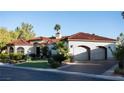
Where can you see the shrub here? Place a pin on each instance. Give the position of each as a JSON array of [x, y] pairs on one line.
[[28, 58], [45, 50], [12, 58], [59, 58], [17, 56], [119, 71], [50, 60], [32, 55], [62, 51], [70, 58], [5, 60], [119, 51], [4, 56], [119, 55], [61, 55], [13, 61], [24, 57], [53, 63]]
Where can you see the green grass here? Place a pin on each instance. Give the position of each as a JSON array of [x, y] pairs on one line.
[[35, 64]]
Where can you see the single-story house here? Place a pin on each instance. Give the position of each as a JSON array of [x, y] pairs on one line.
[[82, 46]]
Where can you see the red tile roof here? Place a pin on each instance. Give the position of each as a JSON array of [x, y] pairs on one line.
[[89, 37], [39, 39], [53, 41], [75, 37], [47, 39], [19, 42]]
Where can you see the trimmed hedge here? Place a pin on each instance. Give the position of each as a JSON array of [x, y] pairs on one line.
[[12, 58], [4, 56], [17, 56]]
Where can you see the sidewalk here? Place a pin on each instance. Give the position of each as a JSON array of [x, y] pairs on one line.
[[5, 64]]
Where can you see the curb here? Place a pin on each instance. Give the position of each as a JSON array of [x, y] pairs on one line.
[[67, 65]]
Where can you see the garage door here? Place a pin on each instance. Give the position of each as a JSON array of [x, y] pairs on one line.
[[81, 54], [100, 54]]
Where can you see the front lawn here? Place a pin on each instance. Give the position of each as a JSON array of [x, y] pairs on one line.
[[35, 64]]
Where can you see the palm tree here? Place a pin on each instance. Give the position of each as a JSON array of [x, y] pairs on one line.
[[57, 27]]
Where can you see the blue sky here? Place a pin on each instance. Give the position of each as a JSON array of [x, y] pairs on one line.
[[108, 24]]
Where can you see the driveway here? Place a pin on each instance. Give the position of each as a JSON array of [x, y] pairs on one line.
[[92, 67]]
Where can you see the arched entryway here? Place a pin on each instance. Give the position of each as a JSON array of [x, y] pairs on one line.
[[20, 50], [101, 53], [11, 50], [82, 53], [37, 49]]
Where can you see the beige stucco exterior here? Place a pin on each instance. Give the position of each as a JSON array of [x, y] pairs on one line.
[[96, 53]]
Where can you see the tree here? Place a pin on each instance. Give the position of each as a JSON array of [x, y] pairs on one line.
[[120, 39], [119, 55], [55, 60], [25, 31], [62, 51], [21, 35], [57, 27], [44, 50], [122, 14], [5, 37], [119, 51]]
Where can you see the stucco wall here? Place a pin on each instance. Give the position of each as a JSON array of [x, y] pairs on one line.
[[94, 53]]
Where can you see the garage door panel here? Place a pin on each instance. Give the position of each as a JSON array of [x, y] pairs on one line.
[[99, 54], [81, 54]]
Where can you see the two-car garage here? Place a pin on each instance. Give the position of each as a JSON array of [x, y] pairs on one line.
[[83, 53], [85, 46]]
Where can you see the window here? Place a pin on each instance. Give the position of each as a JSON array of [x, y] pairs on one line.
[[20, 50]]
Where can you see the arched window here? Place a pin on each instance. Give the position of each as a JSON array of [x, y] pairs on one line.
[[20, 50]]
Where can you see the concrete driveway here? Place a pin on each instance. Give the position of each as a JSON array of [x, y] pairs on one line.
[[90, 67]]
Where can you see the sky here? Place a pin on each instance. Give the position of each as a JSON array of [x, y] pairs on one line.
[[104, 23]]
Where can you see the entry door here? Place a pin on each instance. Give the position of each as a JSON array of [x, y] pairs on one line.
[[37, 51]]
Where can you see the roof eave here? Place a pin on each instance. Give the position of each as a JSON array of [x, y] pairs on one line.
[[85, 40]]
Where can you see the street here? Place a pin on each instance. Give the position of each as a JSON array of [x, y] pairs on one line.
[[18, 74]]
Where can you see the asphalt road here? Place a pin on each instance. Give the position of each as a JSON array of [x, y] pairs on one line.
[[19, 74]]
